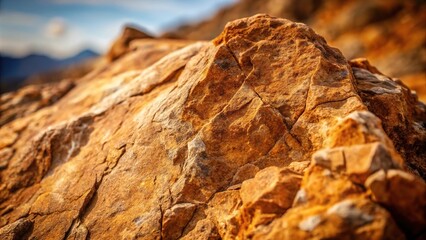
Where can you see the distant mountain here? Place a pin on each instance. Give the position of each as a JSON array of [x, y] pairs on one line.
[[13, 71]]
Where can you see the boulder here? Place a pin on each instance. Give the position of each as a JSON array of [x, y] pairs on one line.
[[209, 140]]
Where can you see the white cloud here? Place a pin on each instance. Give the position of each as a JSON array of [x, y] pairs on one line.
[[62, 38], [149, 5], [56, 28], [16, 43], [15, 47], [130, 4], [19, 18]]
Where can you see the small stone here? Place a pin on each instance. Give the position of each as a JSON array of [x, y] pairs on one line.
[[364, 160], [310, 223], [348, 211], [300, 198], [299, 167], [332, 159], [272, 190], [176, 218], [245, 172]]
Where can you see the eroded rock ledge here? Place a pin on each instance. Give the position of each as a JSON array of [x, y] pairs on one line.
[[264, 133]]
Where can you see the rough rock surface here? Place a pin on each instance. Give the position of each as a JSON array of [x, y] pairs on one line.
[[266, 132], [390, 33]]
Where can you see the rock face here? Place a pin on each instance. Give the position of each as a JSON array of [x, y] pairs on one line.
[[389, 33], [264, 133]]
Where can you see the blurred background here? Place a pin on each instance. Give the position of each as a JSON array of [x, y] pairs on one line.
[[41, 35], [48, 40]]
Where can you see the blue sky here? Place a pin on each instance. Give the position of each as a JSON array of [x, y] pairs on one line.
[[61, 28]]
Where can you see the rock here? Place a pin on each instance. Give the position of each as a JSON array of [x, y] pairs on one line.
[[122, 43], [399, 110], [265, 197], [18, 230], [362, 161], [245, 172], [271, 191], [72, 181], [348, 211], [330, 205], [175, 220], [224, 209], [359, 28], [348, 219], [299, 167], [310, 223], [333, 159], [358, 161], [210, 140], [78, 231], [404, 194], [204, 230], [30, 99]]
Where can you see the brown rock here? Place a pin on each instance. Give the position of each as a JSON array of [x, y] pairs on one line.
[[271, 191], [299, 167], [403, 116], [404, 194], [265, 197], [390, 33], [358, 161], [330, 205], [192, 140], [30, 99], [245, 172], [122, 43], [17, 230], [175, 220], [223, 210], [362, 161], [347, 219]]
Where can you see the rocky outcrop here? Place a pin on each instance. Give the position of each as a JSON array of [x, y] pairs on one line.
[[389, 33], [122, 43], [266, 132]]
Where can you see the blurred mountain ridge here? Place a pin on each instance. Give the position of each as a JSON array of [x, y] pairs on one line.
[[14, 70]]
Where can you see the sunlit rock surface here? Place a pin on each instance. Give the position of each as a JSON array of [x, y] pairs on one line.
[[390, 33], [266, 132]]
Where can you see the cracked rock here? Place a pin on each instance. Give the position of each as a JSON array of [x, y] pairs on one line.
[[265, 132]]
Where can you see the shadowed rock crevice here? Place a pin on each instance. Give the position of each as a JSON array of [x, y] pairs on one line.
[[77, 224]]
